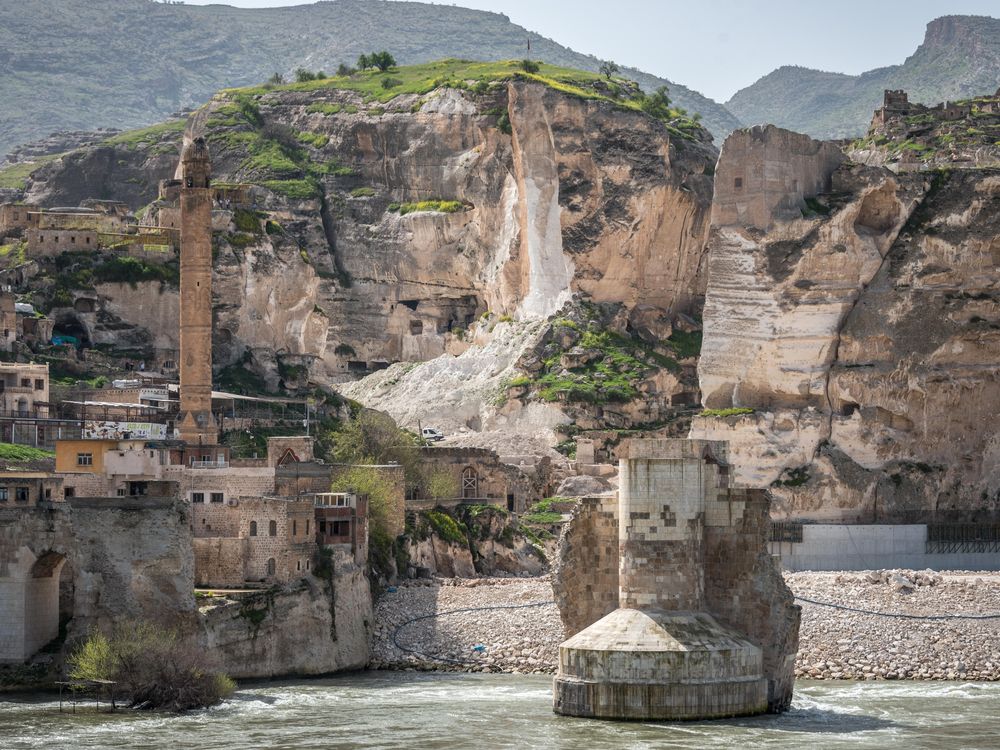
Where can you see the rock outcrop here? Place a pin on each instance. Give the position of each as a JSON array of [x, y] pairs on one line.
[[852, 317]]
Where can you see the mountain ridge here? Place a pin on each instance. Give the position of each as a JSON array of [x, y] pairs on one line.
[[84, 64], [958, 58]]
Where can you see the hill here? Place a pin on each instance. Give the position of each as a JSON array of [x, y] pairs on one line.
[[959, 58], [83, 64]]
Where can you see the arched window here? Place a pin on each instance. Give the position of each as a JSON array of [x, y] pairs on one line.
[[470, 484], [272, 528], [295, 528], [270, 566], [253, 528]]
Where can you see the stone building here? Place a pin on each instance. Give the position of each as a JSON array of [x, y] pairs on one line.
[[477, 476], [705, 626], [24, 389], [765, 173], [252, 539]]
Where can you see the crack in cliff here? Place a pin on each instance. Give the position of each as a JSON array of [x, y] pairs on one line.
[[838, 335], [330, 234]]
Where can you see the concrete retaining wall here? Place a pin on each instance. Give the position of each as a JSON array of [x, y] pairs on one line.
[[873, 547]]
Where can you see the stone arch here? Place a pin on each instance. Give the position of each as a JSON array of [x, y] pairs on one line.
[[29, 585]]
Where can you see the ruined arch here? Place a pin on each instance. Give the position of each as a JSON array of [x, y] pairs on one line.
[[29, 585]]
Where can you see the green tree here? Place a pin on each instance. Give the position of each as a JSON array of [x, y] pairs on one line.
[[657, 104], [302, 75], [609, 69], [364, 62], [344, 70], [382, 60], [277, 79], [530, 66], [442, 485]]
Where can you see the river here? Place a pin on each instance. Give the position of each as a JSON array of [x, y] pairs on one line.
[[428, 711]]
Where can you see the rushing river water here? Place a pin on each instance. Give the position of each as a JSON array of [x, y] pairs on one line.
[[428, 711]]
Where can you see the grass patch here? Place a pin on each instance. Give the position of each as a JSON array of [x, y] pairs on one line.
[[433, 204], [363, 192], [732, 411], [131, 270], [154, 133], [18, 453], [446, 527], [16, 175]]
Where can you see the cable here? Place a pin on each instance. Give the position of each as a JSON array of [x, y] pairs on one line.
[[899, 615], [407, 649]]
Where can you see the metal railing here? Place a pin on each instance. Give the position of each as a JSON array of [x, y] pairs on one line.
[[195, 464], [786, 531], [945, 538]]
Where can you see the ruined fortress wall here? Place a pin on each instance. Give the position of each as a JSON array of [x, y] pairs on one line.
[[745, 590], [585, 579], [766, 172]]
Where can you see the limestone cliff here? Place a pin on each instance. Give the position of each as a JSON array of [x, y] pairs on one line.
[[851, 332]]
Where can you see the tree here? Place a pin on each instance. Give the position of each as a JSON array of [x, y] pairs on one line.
[[442, 485], [152, 666], [609, 69], [657, 104], [302, 75], [320, 75], [382, 60], [345, 70], [277, 79], [530, 66], [364, 62]]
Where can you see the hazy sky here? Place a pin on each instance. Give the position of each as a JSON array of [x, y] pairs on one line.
[[720, 46]]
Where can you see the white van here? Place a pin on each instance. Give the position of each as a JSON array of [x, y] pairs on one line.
[[431, 434]]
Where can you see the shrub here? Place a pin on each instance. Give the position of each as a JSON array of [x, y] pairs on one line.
[[442, 485], [153, 666], [446, 527], [302, 75], [530, 66], [344, 70], [363, 192], [732, 411], [391, 83]]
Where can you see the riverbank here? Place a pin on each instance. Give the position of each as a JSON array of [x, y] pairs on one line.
[[498, 633]]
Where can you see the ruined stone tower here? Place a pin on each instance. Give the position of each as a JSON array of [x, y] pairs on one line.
[[196, 424], [705, 627]]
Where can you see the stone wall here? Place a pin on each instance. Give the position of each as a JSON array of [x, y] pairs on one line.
[[585, 580], [317, 627]]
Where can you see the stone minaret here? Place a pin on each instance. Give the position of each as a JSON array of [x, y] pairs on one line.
[[196, 424]]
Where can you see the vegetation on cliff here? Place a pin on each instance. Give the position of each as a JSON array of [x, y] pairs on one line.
[[152, 667]]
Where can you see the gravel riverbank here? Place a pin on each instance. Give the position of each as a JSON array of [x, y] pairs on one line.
[[496, 631]]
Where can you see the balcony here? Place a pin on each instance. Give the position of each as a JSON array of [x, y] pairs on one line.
[[219, 464]]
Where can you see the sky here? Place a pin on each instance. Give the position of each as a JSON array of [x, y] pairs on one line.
[[720, 46]]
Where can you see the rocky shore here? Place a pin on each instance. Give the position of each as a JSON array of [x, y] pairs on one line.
[[512, 625]]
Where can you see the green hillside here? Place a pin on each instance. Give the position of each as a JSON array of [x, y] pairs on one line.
[[82, 64]]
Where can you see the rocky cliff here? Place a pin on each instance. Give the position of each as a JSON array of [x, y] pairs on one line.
[[851, 332], [412, 220]]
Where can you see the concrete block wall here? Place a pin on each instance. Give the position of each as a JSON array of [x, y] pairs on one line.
[[873, 547]]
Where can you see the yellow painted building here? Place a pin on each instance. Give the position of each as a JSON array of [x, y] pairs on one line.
[[82, 456]]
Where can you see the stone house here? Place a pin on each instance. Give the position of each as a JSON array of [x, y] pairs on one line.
[[24, 389], [246, 539], [477, 476]]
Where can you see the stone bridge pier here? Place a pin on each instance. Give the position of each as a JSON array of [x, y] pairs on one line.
[[90, 561]]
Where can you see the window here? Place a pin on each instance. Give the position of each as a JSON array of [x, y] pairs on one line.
[[21, 494], [307, 564], [307, 528], [253, 528], [295, 528], [197, 497], [121, 492], [470, 484], [270, 566], [217, 497], [340, 528], [39, 384], [26, 382], [3, 494], [738, 182], [72, 239], [272, 528], [84, 459], [298, 565], [69, 492], [322, 526], [48, 493], [88, 240]]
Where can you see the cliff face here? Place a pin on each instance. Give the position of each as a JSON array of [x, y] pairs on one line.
[[855, 322], [383, 234]]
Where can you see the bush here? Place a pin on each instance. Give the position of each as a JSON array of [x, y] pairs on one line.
[[530, 66], [153, 667], [391, 83]]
